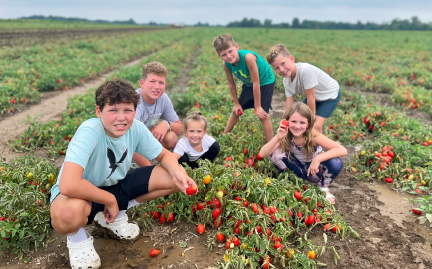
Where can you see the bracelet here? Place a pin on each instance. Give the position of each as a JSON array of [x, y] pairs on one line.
[[169, 125]]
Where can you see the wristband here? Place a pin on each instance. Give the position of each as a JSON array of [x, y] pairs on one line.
[[169, 125]]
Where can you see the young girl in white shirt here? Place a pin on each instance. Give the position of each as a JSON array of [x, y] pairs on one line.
[[196, 144]]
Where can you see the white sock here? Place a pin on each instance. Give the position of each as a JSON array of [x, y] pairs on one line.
[[132, 203], [77, 237], [121, 214]]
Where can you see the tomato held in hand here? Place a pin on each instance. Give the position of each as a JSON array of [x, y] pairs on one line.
[[191, 190], [285, 123], [239, 112]]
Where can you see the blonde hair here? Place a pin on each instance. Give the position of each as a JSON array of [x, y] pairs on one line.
[[154, 68], [223, 42], [304, 111], [196, 116], [275, 51]]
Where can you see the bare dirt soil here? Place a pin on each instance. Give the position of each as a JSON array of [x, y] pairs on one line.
[[390, 235], [18, 37]]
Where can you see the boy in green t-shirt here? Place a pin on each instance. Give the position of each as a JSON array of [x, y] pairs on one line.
[[258, 82]]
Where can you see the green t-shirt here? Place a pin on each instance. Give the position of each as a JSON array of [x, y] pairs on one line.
[[241, 71]]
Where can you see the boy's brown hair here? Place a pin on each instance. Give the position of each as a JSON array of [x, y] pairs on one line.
[[223, 42], [116, 92], [154, 68], [277, 50]]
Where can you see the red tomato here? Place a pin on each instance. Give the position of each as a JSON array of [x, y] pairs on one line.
[[389, 180], [191, 190], [155, 215], [162, 219], [220, 237], [154, 252], [170, 217], [278, 246], [239, 112], [200, 228], [215, 213], [285, 123], [259, 158], [297, 195], [417, 211]]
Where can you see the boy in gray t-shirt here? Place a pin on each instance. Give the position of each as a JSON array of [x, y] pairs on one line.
[[156, 110]]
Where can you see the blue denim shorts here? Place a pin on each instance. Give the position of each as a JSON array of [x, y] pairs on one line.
[[325, 108]]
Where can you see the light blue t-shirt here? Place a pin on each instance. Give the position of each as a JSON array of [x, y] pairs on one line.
[[105, 159]]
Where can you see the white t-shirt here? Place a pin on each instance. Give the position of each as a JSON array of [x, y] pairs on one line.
[[308, 77], [162, 109], [183, 147]]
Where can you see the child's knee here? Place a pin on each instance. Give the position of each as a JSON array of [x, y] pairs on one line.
[[170, 140], [335, 165]]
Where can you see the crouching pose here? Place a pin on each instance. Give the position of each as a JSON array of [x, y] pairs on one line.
[[95, 183]]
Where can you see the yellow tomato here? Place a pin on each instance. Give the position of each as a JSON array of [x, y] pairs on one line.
[[290, 253], [207, 179], [51, 178], [267, 181], [311, 254], [30, 175]]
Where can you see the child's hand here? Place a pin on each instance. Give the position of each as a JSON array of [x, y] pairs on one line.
[[261, 114], [160, 131], [183, 181], [313, 168], [282, 131], [111, 212], [237, 110]]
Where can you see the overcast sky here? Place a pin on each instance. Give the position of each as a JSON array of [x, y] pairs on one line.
[[222, 11]]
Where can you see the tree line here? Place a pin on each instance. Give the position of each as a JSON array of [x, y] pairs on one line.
[[396, 24]]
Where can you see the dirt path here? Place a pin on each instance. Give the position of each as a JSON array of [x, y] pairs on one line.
[[390, 236]]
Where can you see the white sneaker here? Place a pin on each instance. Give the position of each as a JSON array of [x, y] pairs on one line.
[[120, 229], [83, 255]]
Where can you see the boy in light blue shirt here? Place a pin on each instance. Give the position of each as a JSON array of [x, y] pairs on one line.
[[95, 182]]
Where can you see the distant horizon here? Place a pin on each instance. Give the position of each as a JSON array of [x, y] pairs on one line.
[[222, 12], [168, 23]]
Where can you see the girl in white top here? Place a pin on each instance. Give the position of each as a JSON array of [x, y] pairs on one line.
[[297, 146], [196, 143]]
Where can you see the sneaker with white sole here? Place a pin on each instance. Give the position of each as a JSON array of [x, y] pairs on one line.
[[83, 255], [120, 229]]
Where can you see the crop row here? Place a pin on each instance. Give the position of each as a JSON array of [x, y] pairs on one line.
[[25, 72]]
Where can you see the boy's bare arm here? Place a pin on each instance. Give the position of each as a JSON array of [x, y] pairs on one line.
[[179, 174], [310, 95], [253, 71], [289, 101], [177, 127], [73, 185], [231, 84]]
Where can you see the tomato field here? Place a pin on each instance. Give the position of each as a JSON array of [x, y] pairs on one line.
[[244, 215]]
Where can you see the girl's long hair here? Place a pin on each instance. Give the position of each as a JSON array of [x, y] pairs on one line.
[[304, 111]]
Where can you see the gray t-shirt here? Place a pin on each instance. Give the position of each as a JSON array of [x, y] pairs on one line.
[[308, 77], [162, 109]]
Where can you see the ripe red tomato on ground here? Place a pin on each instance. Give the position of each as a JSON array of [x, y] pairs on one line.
[[389, 180], [417, 211], [155, 215], [170, 217], [200, 228], [162, 219], [192, 190], [154, 252]]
